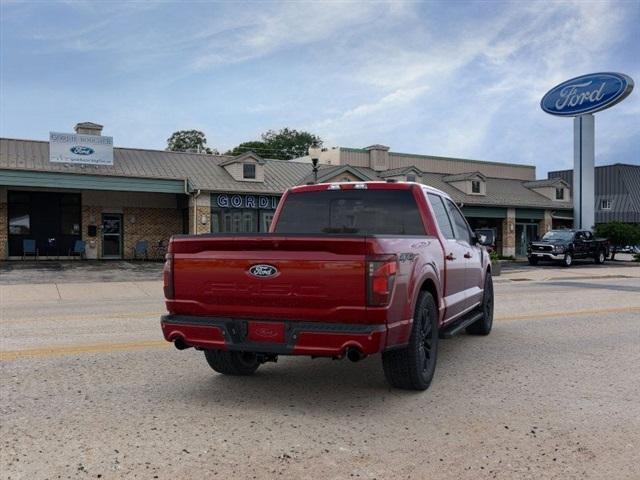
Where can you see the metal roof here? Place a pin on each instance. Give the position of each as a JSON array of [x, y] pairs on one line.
[[547, 182], [499, 191], [206, 172], [463, 176], [203, 171], [620, 185]]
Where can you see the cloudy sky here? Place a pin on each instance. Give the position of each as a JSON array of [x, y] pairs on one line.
[[461, 79]]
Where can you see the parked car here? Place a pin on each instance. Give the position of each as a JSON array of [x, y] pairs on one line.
[[347, 270], [565, 246]]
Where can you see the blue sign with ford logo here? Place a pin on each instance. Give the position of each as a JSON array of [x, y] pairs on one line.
[[80, 150], [587, 94]]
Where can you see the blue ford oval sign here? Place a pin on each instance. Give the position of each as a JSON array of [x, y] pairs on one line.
[[263, 270], [79, 150], [587, 94]]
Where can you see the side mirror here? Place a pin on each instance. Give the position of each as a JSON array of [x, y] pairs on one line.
[[480, 239]]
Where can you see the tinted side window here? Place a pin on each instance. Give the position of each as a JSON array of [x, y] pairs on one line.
[[459, 223], [364, 212], [442, 219]]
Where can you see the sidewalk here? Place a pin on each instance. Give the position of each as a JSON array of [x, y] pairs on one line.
[[78, 271]]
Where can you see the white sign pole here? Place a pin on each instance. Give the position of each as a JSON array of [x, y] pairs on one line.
[[583, 171]]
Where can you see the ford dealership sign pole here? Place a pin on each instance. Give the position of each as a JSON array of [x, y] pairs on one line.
[[580, 97]]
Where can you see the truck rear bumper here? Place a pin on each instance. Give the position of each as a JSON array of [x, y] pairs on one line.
[[276, 337]]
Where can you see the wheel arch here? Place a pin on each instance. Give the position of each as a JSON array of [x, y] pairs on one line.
[[429, 285]]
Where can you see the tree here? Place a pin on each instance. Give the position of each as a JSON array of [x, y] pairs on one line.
[[257, 147], [188, 141], [619, 234], [284, 144]]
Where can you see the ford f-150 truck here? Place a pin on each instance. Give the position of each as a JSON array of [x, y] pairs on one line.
[[346, 270], [566, 245]]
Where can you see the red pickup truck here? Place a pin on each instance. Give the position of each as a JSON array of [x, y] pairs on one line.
[[347, 270]]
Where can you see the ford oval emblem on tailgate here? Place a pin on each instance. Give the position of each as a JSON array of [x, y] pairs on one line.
[[263, 270]]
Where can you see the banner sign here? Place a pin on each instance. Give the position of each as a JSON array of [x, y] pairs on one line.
[[80, 149], [587, 94], [238, 200]]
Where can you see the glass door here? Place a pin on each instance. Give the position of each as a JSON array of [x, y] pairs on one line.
[[112, 235], [525, 233], [267, 218]]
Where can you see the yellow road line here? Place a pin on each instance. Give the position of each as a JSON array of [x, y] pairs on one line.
[[45, 352], [569, 314], [106, 316], [72, 350]]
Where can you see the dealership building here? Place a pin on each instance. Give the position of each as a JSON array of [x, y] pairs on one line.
[[114, 198]]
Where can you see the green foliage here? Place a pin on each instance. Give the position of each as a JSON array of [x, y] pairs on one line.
[[494, 256], [189, 141], [284, 144], [259, 148], [619, 234]]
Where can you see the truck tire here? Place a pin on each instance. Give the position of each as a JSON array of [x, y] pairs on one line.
[[232, 363], [483, 326], [532, 260], [600, 257], [568, 260], [412, 367]]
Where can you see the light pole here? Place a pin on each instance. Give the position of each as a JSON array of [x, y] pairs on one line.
[[314, 153]]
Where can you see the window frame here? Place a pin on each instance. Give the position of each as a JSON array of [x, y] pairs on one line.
[[607, 202], [479, 184], [452, 206], [559, 193], [244, 171], [430, 196]]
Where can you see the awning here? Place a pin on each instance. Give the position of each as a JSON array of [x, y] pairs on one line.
[[30, 178]]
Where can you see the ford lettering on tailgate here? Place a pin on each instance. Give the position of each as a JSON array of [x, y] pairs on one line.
[[263, 270]]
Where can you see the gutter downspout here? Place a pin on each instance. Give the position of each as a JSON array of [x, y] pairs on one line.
[[195, 196]]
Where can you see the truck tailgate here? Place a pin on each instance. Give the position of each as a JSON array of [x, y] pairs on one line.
[[315, 279]]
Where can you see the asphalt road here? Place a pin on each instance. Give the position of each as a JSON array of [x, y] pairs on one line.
[[89, 390]]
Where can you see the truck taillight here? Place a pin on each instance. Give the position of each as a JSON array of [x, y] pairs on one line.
[[167, 276], [381, 275]]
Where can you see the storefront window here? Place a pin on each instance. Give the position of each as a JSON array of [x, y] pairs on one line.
[[52, 219], [19, 220], [238, 213], [19, 217]]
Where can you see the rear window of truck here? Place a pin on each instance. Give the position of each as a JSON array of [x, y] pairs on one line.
[[365, 212]]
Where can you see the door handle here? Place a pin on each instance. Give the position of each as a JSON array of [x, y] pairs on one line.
[[450, 257], [467, 255]]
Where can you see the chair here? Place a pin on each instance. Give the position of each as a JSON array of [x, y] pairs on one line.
[[142, 249], [79, 248], [29, 248], [161, 249]]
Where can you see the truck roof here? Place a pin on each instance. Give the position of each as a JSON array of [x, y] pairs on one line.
[[374, 185]]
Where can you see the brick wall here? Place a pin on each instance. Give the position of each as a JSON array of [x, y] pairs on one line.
[[202, 213], [545, 224], [509, 233], [150, 224]]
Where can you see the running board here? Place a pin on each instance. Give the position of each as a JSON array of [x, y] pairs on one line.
[[451, 330]]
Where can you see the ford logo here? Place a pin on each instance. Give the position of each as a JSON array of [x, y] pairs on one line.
[[587, 94], [266, 332], [263, 270], [79, 150]]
